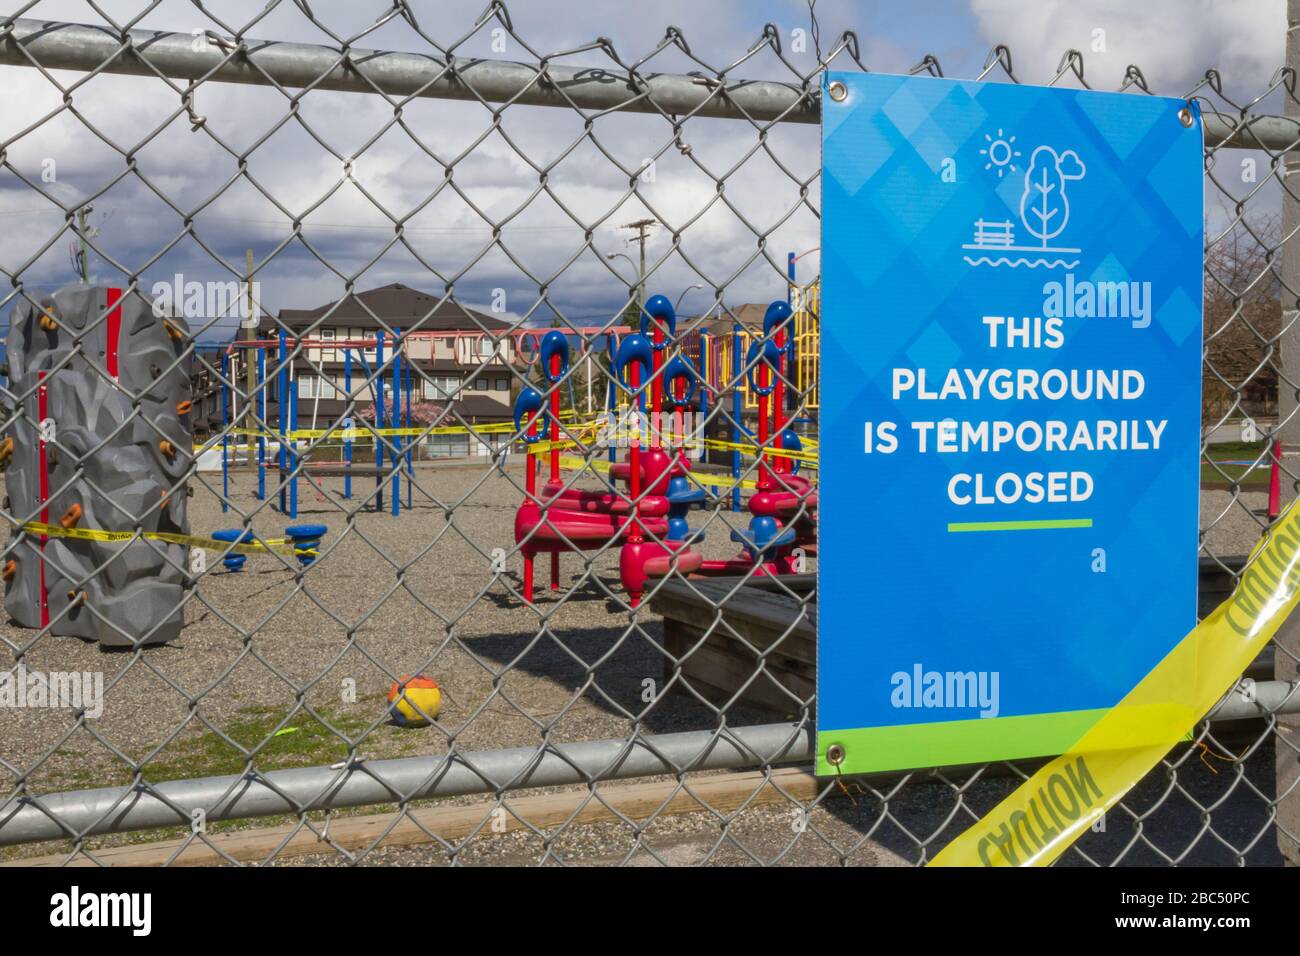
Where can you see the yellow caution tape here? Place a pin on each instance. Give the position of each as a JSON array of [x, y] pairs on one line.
[[278, 545], [573, 430], [364, 431], [748, 449], [720, 482], [1050, 810], [572, 461]]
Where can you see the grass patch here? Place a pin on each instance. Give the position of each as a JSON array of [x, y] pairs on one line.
[[303, 741], [310, 743], [1223, 477]]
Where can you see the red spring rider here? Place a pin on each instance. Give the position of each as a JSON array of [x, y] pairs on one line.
[[655, 475], [561, 519]]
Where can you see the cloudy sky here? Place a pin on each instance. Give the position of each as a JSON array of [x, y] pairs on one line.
[[447, 168]]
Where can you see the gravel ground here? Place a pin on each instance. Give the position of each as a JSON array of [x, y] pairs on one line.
[[417, 594]]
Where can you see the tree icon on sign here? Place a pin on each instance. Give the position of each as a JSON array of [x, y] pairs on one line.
[[1044, 206]]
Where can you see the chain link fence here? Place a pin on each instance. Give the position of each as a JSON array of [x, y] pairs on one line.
[[320, 466]]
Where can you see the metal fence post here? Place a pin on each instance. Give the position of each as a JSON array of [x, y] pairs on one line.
[[1288, 395]]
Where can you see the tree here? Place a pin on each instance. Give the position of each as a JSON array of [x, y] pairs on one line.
[[1243, 321]]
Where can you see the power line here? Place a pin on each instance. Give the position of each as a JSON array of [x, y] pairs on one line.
[[816, 29], [391, 228]]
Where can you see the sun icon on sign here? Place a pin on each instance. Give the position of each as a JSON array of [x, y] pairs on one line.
[[1001, 153]]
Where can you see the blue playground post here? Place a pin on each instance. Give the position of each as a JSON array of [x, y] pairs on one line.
[[261, 423], [282, 393], [410, 441], [611, 402], [789, 271], [379, 422], [225, 433], [397, 422], [737, 412], [293, 450], [347, 436]]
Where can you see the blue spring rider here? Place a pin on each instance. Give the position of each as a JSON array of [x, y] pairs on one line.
[[234, 561], [306, 541]]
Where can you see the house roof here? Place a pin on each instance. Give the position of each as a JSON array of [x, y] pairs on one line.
[[480, 406], [749, 316], [399, 306]]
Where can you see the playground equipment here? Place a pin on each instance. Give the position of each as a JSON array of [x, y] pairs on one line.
[[290, 465], [392, 431], [721, 359], [306, 541], [782, 527], [234, 561], [648, 521], [83, 448], [561, 519], [656, 474]]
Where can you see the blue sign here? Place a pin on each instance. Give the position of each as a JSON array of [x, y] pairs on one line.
[[1010, 412]]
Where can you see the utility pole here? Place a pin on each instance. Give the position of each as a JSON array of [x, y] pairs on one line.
[[641, 226], [1288, 636], [249, 324]]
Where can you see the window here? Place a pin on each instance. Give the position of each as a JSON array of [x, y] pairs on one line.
[[503, 385], [441, 386], [480, 384], [448, 446], [486, 346], [327, 354], [311, 385], [356, 334]]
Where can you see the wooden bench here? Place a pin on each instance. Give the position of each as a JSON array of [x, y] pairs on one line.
[[723, 631], [739, 620]]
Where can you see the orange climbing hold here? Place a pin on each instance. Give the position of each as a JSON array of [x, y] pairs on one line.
[[71, 516]]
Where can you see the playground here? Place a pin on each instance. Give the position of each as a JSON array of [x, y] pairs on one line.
[[517, 590], [505, 674], [537, 437]]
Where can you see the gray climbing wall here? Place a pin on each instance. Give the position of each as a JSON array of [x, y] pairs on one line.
[[108, 456]]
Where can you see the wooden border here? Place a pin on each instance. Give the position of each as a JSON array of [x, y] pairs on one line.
[[723, 793]]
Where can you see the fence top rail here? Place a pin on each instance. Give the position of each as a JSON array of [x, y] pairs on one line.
[[87, 48]]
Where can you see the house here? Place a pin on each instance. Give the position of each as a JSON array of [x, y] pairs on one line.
[[459, 357]]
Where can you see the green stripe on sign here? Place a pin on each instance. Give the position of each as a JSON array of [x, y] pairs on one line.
[[1043, 525], [953, 742]]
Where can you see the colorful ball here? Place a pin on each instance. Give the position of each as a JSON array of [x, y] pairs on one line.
[[412, 692]]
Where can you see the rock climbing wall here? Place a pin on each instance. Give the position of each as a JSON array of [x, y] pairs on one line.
[[103, 441]]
